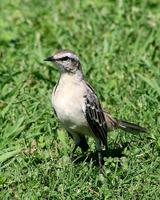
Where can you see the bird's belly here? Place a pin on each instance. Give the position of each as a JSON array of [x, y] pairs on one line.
[[70, 114]]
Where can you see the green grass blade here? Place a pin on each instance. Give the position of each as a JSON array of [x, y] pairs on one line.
[[152, 83]]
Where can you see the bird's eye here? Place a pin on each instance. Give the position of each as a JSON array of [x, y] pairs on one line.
[[64, 58]]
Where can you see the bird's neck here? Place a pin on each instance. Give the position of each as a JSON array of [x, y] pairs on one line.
[[76, 76]]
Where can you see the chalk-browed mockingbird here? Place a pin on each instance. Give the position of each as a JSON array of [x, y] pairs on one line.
[[78, 108]]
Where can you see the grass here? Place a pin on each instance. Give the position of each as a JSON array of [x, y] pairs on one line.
[[119, 45]]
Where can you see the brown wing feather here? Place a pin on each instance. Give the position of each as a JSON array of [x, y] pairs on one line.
[[95, 116]]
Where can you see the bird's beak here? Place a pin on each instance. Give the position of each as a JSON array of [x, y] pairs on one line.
[[50, 58]]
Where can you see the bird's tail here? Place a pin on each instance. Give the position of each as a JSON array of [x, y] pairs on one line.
[[131, 127], [113, 123]]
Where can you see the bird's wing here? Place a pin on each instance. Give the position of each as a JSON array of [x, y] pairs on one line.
[[53, 93], [95, 115]]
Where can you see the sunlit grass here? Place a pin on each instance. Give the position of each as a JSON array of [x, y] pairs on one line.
[[118, 43]]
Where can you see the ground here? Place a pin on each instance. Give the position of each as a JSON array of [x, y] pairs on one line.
[[119, 46]]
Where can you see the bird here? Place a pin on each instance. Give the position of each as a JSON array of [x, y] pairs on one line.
[[79, 109]]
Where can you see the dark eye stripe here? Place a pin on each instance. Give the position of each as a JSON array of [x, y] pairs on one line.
[[63, 58], [66, 58]]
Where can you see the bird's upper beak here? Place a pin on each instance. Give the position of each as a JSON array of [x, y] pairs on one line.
[[50, 58]]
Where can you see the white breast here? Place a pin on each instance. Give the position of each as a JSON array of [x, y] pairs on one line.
[[68, 102]]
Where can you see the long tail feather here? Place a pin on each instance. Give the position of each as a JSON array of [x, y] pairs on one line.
[[113, 123], [131, 127]]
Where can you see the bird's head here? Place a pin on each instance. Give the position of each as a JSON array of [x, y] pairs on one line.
[[66, 61]]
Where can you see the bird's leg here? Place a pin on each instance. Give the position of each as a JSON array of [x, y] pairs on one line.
[[75, 147], [99, 152], [73, 151], [100, 159], [106, 148], [80, 141], [83, 144]]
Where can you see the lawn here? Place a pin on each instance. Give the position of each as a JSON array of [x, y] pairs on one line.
[[119, 46]]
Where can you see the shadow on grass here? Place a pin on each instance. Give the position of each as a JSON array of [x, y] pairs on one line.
[[92, 156]]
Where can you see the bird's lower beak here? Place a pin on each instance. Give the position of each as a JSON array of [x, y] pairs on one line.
[[50, 58]]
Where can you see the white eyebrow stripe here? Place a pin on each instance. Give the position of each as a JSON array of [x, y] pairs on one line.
[[72, 56], [66, 54]]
